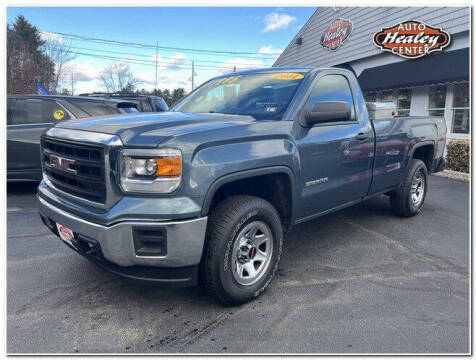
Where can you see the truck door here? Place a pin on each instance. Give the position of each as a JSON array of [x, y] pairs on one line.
[[336, 157], [26, 120]]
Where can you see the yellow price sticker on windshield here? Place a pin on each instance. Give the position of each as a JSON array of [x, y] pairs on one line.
[[58, 114], [226, 80], [287, 76]]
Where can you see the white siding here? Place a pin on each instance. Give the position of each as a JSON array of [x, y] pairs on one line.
[[366, 21]]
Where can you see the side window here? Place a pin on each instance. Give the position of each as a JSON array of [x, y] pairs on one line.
[[333, 88], [145, 106], [35, 111], [160, 105], [95, 108], [52, 112], [25, 111]]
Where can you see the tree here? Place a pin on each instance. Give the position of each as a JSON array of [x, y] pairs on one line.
[[128, 89], [117, 77], [177, 95], [167, 96], [171, 98], [59, 51], [26, 63]]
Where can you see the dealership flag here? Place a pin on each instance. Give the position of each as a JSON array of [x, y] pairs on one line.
[[41, 89]]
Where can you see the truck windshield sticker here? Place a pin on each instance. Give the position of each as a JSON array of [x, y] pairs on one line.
[[287, 76], [225, 81]]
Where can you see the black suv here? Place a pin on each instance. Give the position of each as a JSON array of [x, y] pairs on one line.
[[29, 115], [145, 103]]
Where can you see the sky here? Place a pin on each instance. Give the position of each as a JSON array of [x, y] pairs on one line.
[[260, 32]]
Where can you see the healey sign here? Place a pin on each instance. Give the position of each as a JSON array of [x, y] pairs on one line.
[[411, 39], [336, 33]]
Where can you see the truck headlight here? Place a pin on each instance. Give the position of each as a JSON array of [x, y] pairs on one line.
[[150, 171]]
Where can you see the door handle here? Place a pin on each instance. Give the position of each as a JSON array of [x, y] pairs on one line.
[[362, 136]]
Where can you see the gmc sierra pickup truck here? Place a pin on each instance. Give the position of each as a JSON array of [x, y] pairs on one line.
[[205, 192]]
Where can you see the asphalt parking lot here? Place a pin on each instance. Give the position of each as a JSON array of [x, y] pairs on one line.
[[360, 280]]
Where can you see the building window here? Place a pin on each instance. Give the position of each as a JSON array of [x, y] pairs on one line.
[[370, 97], [460, 110], [386, 96], [437, 100], [404, 99]]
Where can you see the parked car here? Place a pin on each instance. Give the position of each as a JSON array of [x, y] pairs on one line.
[[145, 103], [208, 190], [29, 115]]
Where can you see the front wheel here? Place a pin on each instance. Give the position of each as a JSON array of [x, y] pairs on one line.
[[244, 242], [408, 199]]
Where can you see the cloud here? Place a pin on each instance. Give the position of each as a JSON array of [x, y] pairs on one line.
[[167, 81], [170, 74], [147, 78], [173, 63], [84, 71], [48, 36], [86, 87], [269, 50], [276, 21], [177, 61], [239, 64], [173, 81]]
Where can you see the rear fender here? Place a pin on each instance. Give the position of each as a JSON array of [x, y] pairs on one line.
[[411, 152]]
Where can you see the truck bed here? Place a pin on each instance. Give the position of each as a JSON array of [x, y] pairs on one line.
[[395, 137]]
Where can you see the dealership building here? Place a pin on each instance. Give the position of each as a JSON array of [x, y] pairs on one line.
[[434, 84]]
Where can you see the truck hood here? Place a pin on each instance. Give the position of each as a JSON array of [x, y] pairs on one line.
[[150, 129]]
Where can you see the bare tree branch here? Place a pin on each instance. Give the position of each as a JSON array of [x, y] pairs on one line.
[[117, 77], [60, 52]]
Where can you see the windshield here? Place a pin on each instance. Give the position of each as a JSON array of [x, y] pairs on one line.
[[265, 96]]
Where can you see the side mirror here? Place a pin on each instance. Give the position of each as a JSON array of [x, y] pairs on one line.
[[328, 111]]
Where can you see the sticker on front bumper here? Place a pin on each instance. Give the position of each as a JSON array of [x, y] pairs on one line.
[[65, 234]]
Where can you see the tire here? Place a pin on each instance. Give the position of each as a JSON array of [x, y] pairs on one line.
[[404, 202], [229, 253]]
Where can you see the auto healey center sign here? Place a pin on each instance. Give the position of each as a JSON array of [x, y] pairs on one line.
[[411, 39], [336, 34]]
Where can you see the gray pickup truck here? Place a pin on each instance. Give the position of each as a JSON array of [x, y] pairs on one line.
[[205, 192]]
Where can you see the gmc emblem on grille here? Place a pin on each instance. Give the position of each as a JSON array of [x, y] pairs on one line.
[[61, 163]]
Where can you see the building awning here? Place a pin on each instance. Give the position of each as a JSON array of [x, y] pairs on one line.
[[451, 66]]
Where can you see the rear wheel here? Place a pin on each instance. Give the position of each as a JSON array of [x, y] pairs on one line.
[[408, 199], [244, 241]]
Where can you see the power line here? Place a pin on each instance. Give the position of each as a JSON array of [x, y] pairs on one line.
[[141, 55], [144, 62], [147, 62], [140, 45]]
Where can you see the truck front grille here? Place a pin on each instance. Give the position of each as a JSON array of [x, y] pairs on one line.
[[75, 168]]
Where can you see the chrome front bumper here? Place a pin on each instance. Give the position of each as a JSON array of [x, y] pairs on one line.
[[185, 239]]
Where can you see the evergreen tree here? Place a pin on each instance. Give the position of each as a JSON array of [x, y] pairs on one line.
[[26, 63]]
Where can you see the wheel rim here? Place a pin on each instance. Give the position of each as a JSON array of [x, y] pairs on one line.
[[252, 253], [418, 188]]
